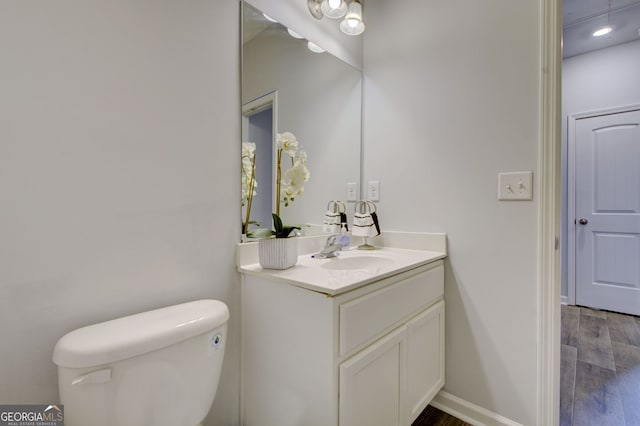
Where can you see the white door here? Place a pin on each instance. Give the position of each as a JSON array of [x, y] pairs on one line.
[[607, 207]]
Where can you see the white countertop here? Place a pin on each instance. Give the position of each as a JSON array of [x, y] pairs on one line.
[[315, 274]]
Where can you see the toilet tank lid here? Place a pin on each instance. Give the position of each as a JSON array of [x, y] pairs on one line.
[[126, 337]]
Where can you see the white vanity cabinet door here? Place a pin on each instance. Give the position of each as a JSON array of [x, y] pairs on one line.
[[425, 359], [371, 384]]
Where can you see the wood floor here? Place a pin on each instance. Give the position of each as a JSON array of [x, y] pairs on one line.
[[434, 417], [599, 372], [599, 368]]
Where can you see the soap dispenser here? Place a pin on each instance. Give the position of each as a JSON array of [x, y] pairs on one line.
[[343, 239]]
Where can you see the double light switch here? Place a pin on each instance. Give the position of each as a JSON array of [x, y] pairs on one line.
[[515, 186]]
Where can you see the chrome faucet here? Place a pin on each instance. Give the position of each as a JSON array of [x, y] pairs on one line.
[[331, 247]]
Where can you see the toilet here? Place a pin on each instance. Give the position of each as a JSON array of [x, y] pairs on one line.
[[156, 368]]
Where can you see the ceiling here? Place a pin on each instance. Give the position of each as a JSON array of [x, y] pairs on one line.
[[580, 18]]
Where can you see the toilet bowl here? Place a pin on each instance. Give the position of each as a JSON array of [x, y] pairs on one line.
[[156, 368]]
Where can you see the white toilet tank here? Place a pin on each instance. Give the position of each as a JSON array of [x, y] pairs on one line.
[[157, 368]]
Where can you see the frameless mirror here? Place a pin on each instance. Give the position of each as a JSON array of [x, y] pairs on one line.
[[287, 87]]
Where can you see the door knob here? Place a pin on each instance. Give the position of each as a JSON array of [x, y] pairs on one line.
[[583, 221]]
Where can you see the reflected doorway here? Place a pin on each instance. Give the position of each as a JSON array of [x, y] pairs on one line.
[[259, 127]]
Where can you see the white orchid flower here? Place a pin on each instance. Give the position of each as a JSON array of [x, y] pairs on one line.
[[287, 142], [293, 182], [248, 150], [301, 156]]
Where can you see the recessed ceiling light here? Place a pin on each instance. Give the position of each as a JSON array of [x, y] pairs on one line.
[[602, 31], [293, 33]]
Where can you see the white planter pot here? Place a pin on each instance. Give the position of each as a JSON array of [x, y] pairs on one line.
[[278, 253]]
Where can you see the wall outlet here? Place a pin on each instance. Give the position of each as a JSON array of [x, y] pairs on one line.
[[373, 190], [516, 186], [352, 191]]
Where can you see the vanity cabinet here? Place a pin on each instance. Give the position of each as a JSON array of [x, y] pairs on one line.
[[370, 356], [393, 380]]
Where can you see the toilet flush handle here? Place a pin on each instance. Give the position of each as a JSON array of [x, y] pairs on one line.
[[98, 376]]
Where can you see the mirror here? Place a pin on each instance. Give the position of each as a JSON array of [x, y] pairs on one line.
[[316, 97]]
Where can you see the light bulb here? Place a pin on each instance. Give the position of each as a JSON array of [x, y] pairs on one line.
[[352, 23], [334, 9]]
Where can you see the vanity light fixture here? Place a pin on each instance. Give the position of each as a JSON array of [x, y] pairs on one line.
[[352, 24], [269, 18], [314, 47], [294, 34], [334, 9]]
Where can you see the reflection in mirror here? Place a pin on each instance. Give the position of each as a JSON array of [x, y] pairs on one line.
[[286, 87]]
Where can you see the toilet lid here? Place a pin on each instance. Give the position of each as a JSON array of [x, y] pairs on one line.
[[126, 337]]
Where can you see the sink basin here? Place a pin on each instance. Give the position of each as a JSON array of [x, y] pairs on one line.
[[357, 263]]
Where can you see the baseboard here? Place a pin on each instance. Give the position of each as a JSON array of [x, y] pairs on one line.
[[564, 300], [468, 412]]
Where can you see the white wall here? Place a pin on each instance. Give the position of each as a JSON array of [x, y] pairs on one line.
[[119, 173], [597, 80], [451, 96]]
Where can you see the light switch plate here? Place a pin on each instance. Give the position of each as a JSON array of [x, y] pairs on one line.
[[352, 191], [516, 186], [373, 190]]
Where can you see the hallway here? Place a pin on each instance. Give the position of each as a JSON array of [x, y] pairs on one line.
[[599, 368]]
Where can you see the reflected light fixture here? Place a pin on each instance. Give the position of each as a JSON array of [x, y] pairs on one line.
[[352, 24], [293, 33], [606, 29], [334, 9], [602, 31], [269, 18], [314, 47]]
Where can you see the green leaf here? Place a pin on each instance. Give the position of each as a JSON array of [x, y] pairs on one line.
[[277, 223], [281, 231], [286, 231]]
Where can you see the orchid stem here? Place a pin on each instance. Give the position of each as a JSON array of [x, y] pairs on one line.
[[278, 175], [250, 194]]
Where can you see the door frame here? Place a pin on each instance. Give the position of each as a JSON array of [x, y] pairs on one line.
[[259, 104], [548, 280], [571, 189]]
